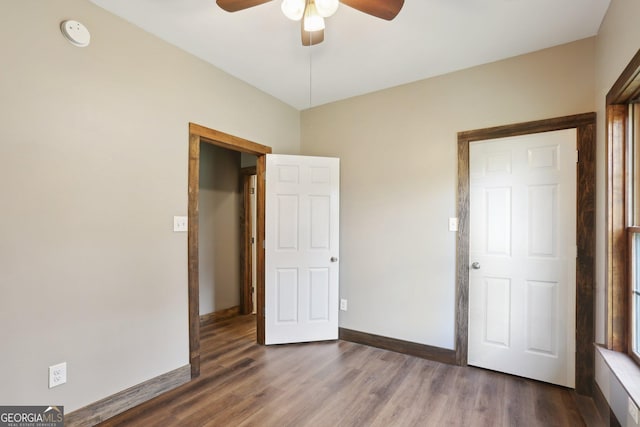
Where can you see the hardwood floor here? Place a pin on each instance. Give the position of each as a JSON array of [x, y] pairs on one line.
[[343, 384]]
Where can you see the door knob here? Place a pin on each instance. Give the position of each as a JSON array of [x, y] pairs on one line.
[[334, 259], [475, 265]]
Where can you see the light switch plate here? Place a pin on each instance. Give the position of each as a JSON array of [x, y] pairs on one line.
[[453, 224], [180, 223]]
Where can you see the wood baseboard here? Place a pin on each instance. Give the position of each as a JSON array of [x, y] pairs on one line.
[[216, 316], [111, 406], [399, 346]]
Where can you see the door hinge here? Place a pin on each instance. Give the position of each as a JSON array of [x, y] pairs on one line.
[[252, 191], [577, 156], [264, 245], [253, 240]]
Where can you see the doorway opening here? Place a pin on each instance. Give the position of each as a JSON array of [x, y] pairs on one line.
[[221, 233], [197, 135], [585, 225]]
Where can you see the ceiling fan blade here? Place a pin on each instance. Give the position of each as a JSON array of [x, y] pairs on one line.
[[309, 38], [236, 5], [385, 9]]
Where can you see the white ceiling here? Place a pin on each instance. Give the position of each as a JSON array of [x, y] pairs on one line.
[[360, 54]]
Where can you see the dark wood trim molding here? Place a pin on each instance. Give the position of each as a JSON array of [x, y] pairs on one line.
[[219, 315], [245, 245], [585, 267], [586, 260], [199, 134], [228, 141], [536, 126], [111, 406], [627, 87], [192, 254], [624, 91], [246, 269], [616, 262], [260, 256], [462, 253], [399, 346]]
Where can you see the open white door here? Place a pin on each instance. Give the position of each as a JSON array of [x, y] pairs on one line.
[[301, 248], [522, 282]]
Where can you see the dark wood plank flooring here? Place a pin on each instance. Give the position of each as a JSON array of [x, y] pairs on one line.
[[343, 384]]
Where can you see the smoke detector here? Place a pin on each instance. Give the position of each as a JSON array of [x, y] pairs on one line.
[[75, 32]]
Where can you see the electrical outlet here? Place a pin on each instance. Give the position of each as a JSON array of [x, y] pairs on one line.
[[633, 410], [180, 223], [343, 304], [57, 374]]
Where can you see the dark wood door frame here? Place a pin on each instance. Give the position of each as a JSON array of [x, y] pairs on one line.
[[198, 134], [246, 267], [585, 124]]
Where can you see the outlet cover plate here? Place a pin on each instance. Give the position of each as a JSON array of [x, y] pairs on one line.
[[343, 304], [180, 223], [57, 374]]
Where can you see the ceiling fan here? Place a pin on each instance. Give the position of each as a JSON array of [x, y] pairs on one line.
[[311, 13]]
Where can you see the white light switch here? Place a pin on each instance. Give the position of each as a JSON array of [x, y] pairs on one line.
[[453, 224], [180, 223]]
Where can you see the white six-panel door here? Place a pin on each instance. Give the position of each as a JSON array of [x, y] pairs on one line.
[[301, 248], [523, 256]]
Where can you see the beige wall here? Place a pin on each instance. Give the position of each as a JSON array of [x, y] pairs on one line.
[[219, 228], [398, 179], [93, 166], [617, 42]]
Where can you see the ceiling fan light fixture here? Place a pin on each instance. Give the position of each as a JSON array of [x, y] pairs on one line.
[[326, 8], [293, 9], [312, 20]]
